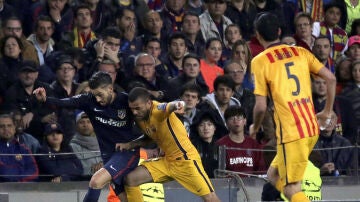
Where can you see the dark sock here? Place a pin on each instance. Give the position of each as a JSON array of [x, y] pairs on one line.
[[92, 195]]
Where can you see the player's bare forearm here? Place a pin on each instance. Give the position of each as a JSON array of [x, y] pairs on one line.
[[143, 141], [331, 88], [259, 112]]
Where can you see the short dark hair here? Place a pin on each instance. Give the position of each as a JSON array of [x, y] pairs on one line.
[[152, 39], [81, 6], [176, 35], [100, 79], [333, 4], [44, 18], [190, 55], [191, 87], [267, 25], [13, 17], [9, 116], [120, 12], [225, 80], [111, 31], [322, 37], [191, 13], [210, 40], [3, 41], [139, 93], [232, 25], [234, 110]]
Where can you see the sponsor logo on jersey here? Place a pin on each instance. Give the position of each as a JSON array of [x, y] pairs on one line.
[[162, 106]]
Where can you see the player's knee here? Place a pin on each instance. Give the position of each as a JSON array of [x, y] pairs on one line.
[[96, 182], [212, 197], [291, 189]]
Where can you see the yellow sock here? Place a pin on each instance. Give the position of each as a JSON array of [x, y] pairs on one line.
[[133, 194], [299, 197]]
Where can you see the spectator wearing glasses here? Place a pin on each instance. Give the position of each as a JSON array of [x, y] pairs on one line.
[[246, 161], [303, 31], [12, 26], [63, 87]]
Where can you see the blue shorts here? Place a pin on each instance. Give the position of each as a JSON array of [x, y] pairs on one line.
[[119, 165]]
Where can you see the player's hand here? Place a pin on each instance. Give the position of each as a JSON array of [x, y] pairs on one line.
[[40, 94], [179, 107], [252, 132], [324, 119], [123, 146]]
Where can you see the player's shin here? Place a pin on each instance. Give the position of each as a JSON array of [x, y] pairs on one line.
[[134, 194]]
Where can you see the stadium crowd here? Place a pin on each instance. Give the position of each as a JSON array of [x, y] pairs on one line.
[[197, 51]]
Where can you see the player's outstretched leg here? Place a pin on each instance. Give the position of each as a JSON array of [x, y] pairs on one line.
[[293, 191], [212, 197], [97, 182]]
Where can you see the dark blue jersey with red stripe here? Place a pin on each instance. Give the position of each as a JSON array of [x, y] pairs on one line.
[[112, 124]]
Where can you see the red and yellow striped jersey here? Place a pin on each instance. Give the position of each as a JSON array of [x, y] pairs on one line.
[[283, 73]]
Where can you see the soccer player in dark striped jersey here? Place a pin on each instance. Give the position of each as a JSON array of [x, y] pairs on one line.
[[181, 162], [113, 123], [282, 72]]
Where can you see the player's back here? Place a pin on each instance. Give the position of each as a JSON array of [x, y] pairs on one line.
[[283, 73], [168, 132]]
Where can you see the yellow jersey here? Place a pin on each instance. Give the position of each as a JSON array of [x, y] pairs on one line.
[[166, 129], [282, 72]]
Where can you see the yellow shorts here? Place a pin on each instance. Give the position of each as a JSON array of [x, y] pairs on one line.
[[189, 173], [292, 158]]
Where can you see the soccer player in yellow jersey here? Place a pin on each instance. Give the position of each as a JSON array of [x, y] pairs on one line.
[[181, 162], [282, 72]]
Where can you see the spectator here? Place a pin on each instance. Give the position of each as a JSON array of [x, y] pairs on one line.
[[232, 34], [303, 31], [335, 161], [109, 67], [63, 87], [353, 51], [247, 99], [329, 27], [208, 66], [100, 14], [191, 74], [172, 14], [275, 8], [355, 28], [22, 137], [144, 72], [243, 160], [213, 22], [55, 166], [352, 91], [321, 50], [222, 97], [125, 20], [153, 24], [6, 10], [176, 51], [153, 47], [12, 26], [19, 165], [58, 10], [195, 6], [241, 54], [85, 145], [243, 14], [194, 38], [343, 73], [41, 38], [205, 131], [107, 47], [82, 32], [11, 48], [190, 94], [19, 97]]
